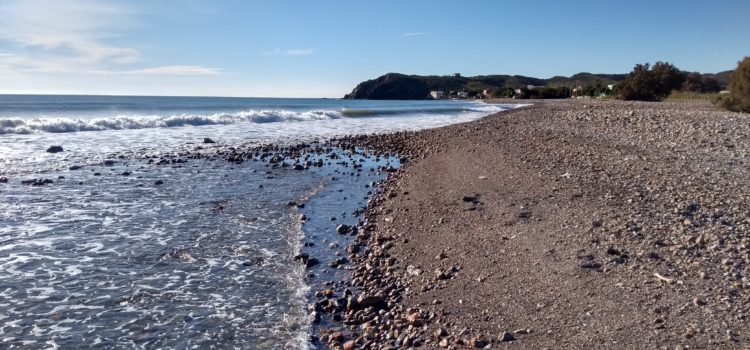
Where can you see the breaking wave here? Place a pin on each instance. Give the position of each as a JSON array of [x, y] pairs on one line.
[[68, 125], [64, 125]]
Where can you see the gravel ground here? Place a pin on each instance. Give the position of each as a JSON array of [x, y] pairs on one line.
[[563, 225]]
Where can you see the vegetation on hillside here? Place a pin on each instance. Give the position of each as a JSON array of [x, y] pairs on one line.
[[738, 98], [643, 83]]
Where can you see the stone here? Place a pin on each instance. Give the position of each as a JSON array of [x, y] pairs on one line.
[[478, 342], [298, 167], [3, 180], [373, 301], [207, 140], [506, 337], [343, 229], [415, 319], [158, 182], [54, 149], [349, 345]]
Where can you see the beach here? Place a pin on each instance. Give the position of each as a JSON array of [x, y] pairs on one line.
[[576, 224]]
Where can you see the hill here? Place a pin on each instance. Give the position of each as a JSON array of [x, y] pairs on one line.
[[395, 86]]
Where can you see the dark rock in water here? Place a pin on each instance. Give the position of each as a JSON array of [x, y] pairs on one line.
[[75, 167], [158, 182], [338, 262], [276, 159], [306, 259], [3, 180], [37, 182], [207, 140], [298, 167], [343, 229], [109, 162], [54, 149], [127, 173]]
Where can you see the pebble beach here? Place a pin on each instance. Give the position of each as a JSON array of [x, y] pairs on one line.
[[563, 225]]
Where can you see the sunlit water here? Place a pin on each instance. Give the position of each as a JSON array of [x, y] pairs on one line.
[[106, 257]]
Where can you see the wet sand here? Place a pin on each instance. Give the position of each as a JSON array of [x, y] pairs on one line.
[[563, 225]]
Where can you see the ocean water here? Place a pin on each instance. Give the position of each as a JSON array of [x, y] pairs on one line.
[[105, 256]]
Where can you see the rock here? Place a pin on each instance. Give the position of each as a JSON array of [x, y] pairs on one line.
[[37, 182], [3, 180], [478, 342], [413, 270], [109, 162], [506, 337], [441, 275], [443, 343], [298, 167], [373, 301], [75, 167], [338, 262], [54, 149], [415, 319], [698, 301], [349, 345], [158, 182], [440, 333], [343, 229], [207, 140], [591, 265]]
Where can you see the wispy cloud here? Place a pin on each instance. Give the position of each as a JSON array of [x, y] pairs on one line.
[[414, 34], [73, 30], [75, 36], [289, 52]]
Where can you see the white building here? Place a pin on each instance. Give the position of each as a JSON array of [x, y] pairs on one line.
[[437, 95], [463, 94]]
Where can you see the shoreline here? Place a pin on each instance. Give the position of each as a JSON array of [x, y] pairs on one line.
[[565, 224]]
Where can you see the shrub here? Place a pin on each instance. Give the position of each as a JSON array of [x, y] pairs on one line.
[[653, 84], [739, 88]]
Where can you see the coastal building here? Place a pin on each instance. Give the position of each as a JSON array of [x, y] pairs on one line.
[[487, 93], [437, 95], [611, 86], [462, 94]]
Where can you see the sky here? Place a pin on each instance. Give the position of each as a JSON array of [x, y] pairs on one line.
[[308, 48]]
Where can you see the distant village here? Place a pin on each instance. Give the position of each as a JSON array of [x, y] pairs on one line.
[[526, 92]]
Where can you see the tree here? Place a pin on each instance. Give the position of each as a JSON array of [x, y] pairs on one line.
[[638, 85], [653, 84], [739, 87]]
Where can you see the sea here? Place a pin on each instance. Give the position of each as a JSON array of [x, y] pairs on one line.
[[117, 251]]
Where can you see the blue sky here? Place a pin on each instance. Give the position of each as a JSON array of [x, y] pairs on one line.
[[321, 48]]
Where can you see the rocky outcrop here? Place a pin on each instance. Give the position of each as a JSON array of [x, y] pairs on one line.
[[392, 86]]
